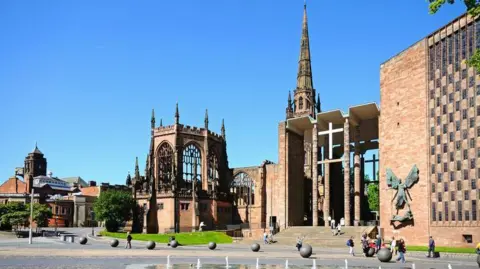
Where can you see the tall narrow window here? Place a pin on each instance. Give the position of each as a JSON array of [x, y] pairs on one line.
[[450, 52], [164, 165], [459, 210], [446, 210], [470, 40], [192, 166], [457, 46], [477, 34], [444, 57], [463, 37], [300, 103], [432, 63], [243, 189], [474, 210], [434, 212], [212, 170]]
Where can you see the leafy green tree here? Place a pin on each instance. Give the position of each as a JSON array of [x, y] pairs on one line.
[[9, 208], [16, 219], [473, 8], [41, 214], [373, 198], [113, 207]]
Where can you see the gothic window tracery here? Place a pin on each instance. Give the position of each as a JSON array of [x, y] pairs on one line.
[[243, 189], [164, 162], [212, 170], [191, 158], [300, 103]]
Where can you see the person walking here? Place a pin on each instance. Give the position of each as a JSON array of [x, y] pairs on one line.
[[129, 241], [339, 228], [350, 244], [393, 244], [299, 243], [378, 243], [365, 245], [431, 247], [265, 240], [401, 251], [333, 224]]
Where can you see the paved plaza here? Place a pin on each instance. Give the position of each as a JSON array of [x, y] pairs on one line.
[[97, 253]]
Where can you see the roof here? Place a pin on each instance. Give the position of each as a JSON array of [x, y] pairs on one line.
[[10, 186], [75, 180], [36, 150], [52, 182], [90, 191]]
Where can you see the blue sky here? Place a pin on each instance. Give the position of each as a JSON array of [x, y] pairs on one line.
[[81, 77]]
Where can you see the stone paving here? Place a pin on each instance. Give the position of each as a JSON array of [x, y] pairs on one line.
[[97, 253]]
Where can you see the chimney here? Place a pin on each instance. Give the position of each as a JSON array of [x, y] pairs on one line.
[[92, 183]]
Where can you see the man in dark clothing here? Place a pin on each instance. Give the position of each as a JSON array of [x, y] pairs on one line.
[[129, 241], [431, 247], [401, 251]]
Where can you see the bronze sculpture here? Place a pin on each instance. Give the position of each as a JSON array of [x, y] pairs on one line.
[[402, 189]]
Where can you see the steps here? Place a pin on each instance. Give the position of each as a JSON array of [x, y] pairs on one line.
[[321, 236]]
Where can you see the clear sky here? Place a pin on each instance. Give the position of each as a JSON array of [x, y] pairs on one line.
[[81, 77]]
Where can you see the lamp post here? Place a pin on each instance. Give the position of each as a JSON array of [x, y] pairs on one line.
[[92, 216], [31, 218]]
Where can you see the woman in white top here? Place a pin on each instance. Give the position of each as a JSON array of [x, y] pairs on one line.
[[393, 245]]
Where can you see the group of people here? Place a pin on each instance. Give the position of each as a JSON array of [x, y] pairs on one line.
[[394, 248], [268, 238]]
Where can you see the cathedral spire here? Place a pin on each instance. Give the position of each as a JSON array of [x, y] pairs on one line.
[[206, 119], [318, 104], [137, 170], [223, 129], [304, 94], [161, 123], [152, 121], [177, 115], [289, 110]]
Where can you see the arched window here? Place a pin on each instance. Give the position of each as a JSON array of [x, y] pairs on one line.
[[243, 189], [164, 164], [212, 170], [192, 159], [308, 104], [300, 103]]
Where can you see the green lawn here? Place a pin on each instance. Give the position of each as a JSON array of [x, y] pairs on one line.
[[197, 238], [443, 249]]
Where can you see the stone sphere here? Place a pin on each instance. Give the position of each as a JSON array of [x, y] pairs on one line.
[[370, 252], [306, 251], [151, 245], [82, 240], [255, 247], [384, 255], [114, 243], [174, 243], [212, 245]]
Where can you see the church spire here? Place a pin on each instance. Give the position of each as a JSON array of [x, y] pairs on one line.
[[289, 110], [177, 115], [318, 104], [223, 129], [206, 119], [137, 170], [152, 121], [304, 94]]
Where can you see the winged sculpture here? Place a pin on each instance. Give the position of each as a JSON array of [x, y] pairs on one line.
[[400, 199]]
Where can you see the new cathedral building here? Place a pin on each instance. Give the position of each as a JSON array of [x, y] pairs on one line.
[[430, 119]]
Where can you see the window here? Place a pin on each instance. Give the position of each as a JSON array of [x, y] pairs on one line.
[[471, 101], [464, 114], [451, 137], [184, 206], [445, 148], [446, 210], [434, 212], [472, 122], [459, 165], [439, 197], [438, 120], [465, 134], [438, 139], [459, 185], [243, 189], [432, 95], [464, 74], [432, 112], [457, 125], [463, 38], [459, 210], [478, 152], [439, 158], [432, 149], [445, 129], [450, 117], [439, 177], [465, 154], [464, 93], [450, 49], [440, 216], [478, 110], [470, 40], [473, 183], [452, 195], [445, 186], [192, 166], [453, 215], [445, 167], [478, 89], [472, 142], [465, 174], [433, 188], [452, 176], [433, 169], [478, 131], [212, 174], [452, 157], [432, 131], [457, 86], [471, 81], [473, 163], [467, 215], [164, 165], [474, 210], [466, 195], [457, 106], [160, 206], [300, 103]]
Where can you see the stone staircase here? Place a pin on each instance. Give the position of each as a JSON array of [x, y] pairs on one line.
[[322, 236]]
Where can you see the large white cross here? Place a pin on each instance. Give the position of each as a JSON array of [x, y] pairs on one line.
[[330, 133]]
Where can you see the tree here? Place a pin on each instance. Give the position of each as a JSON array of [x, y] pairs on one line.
[[41, 214], [16, 219], [113, 207], [473, 8], [6, 209], [373, 200]]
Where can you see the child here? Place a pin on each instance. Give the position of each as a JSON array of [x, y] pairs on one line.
[[350, 244], [129, 241]]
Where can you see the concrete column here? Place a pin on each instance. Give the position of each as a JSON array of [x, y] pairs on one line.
[[314, 176], [326, 201], [346, 163], [357, 176]]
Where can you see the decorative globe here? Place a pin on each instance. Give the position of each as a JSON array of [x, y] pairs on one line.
[[212, 245], [174, 243], [306, 251], [384, 255], [151, 245], [82, 240], [255, 247], [370, 252], [114, 243]]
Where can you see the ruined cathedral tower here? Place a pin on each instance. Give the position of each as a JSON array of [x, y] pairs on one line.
[[304, 103]]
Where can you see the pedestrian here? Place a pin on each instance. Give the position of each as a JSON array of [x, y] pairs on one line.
[[339, 228], [333, 224], [265, 241], [350, 244], [378, 243], [365, 245], [431, 247], [299, 243], [129, 241], [393, 244], [401, 251]]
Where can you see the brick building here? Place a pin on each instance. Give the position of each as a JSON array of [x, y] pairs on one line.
[[430, 102], [292, 192]]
